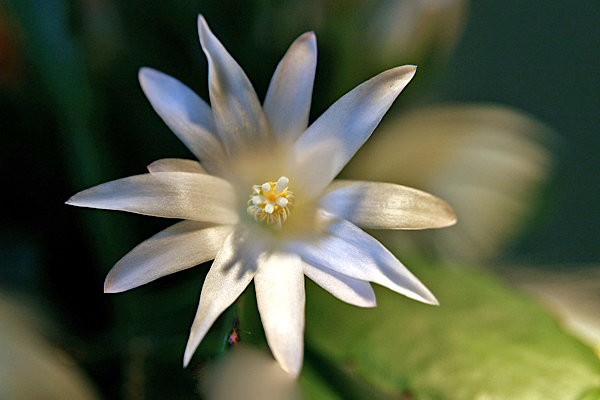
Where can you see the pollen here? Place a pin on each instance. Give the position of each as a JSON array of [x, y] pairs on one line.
[[271, 202]]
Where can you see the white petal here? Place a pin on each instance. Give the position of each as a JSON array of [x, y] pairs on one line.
[[230, 274], [238, 115], [386, 206], [305, 170], [351, 120], [188, 116], [280, 296], [166, 194], [287, 103], [176, 165], [350, 251], [350, 290], [183, 245]]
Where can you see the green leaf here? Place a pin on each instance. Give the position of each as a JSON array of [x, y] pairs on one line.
[[592, 394], [314, 386], [485, 341]]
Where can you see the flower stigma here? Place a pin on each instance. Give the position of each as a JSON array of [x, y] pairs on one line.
[[271, 202]]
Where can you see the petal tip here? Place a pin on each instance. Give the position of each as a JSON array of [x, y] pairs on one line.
[[421, 293], [192, 344], [430, 299], [309, 36], [146, 75], [418, 292], [293, 370], [187, 355], [207, 37], [366, 304], [111, 283], [452, 222], [144, 72], [203, 28], [404, 74], [109, 287], [75, 200], [450, 216], [371, 304]]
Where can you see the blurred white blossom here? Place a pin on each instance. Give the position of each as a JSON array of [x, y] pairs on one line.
[[370, 35], [571, 292], [32, 368], [488, 161], [250, 374], [262, 203], [415, 29]]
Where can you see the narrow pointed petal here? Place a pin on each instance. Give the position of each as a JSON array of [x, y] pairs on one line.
[[379, 205], [188, 116], [350, 251], [181, 246], [352, 119], [352, 291], [280, 296], [238, 115], [288, 99], [228, 277], [181, 195], [176, 165]]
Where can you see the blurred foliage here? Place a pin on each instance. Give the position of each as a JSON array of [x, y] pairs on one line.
[[73, 116], [484, 341]]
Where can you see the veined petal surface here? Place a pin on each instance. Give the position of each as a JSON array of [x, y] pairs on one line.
[[181, 246], [227, 278], [280, 296], [352, 291], [352, 119], [238, 115], [176, 165], [380, 205], [181, 195], [188, 116], [350, 251], [287, 103]]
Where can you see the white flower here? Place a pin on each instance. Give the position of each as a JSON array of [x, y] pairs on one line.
[[263, 204]]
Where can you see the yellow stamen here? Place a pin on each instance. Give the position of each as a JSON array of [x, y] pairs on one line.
[[271, 202]]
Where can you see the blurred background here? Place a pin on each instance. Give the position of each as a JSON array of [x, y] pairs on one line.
[[502, 121]]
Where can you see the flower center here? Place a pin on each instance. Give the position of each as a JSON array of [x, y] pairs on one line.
[[271, 202]]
